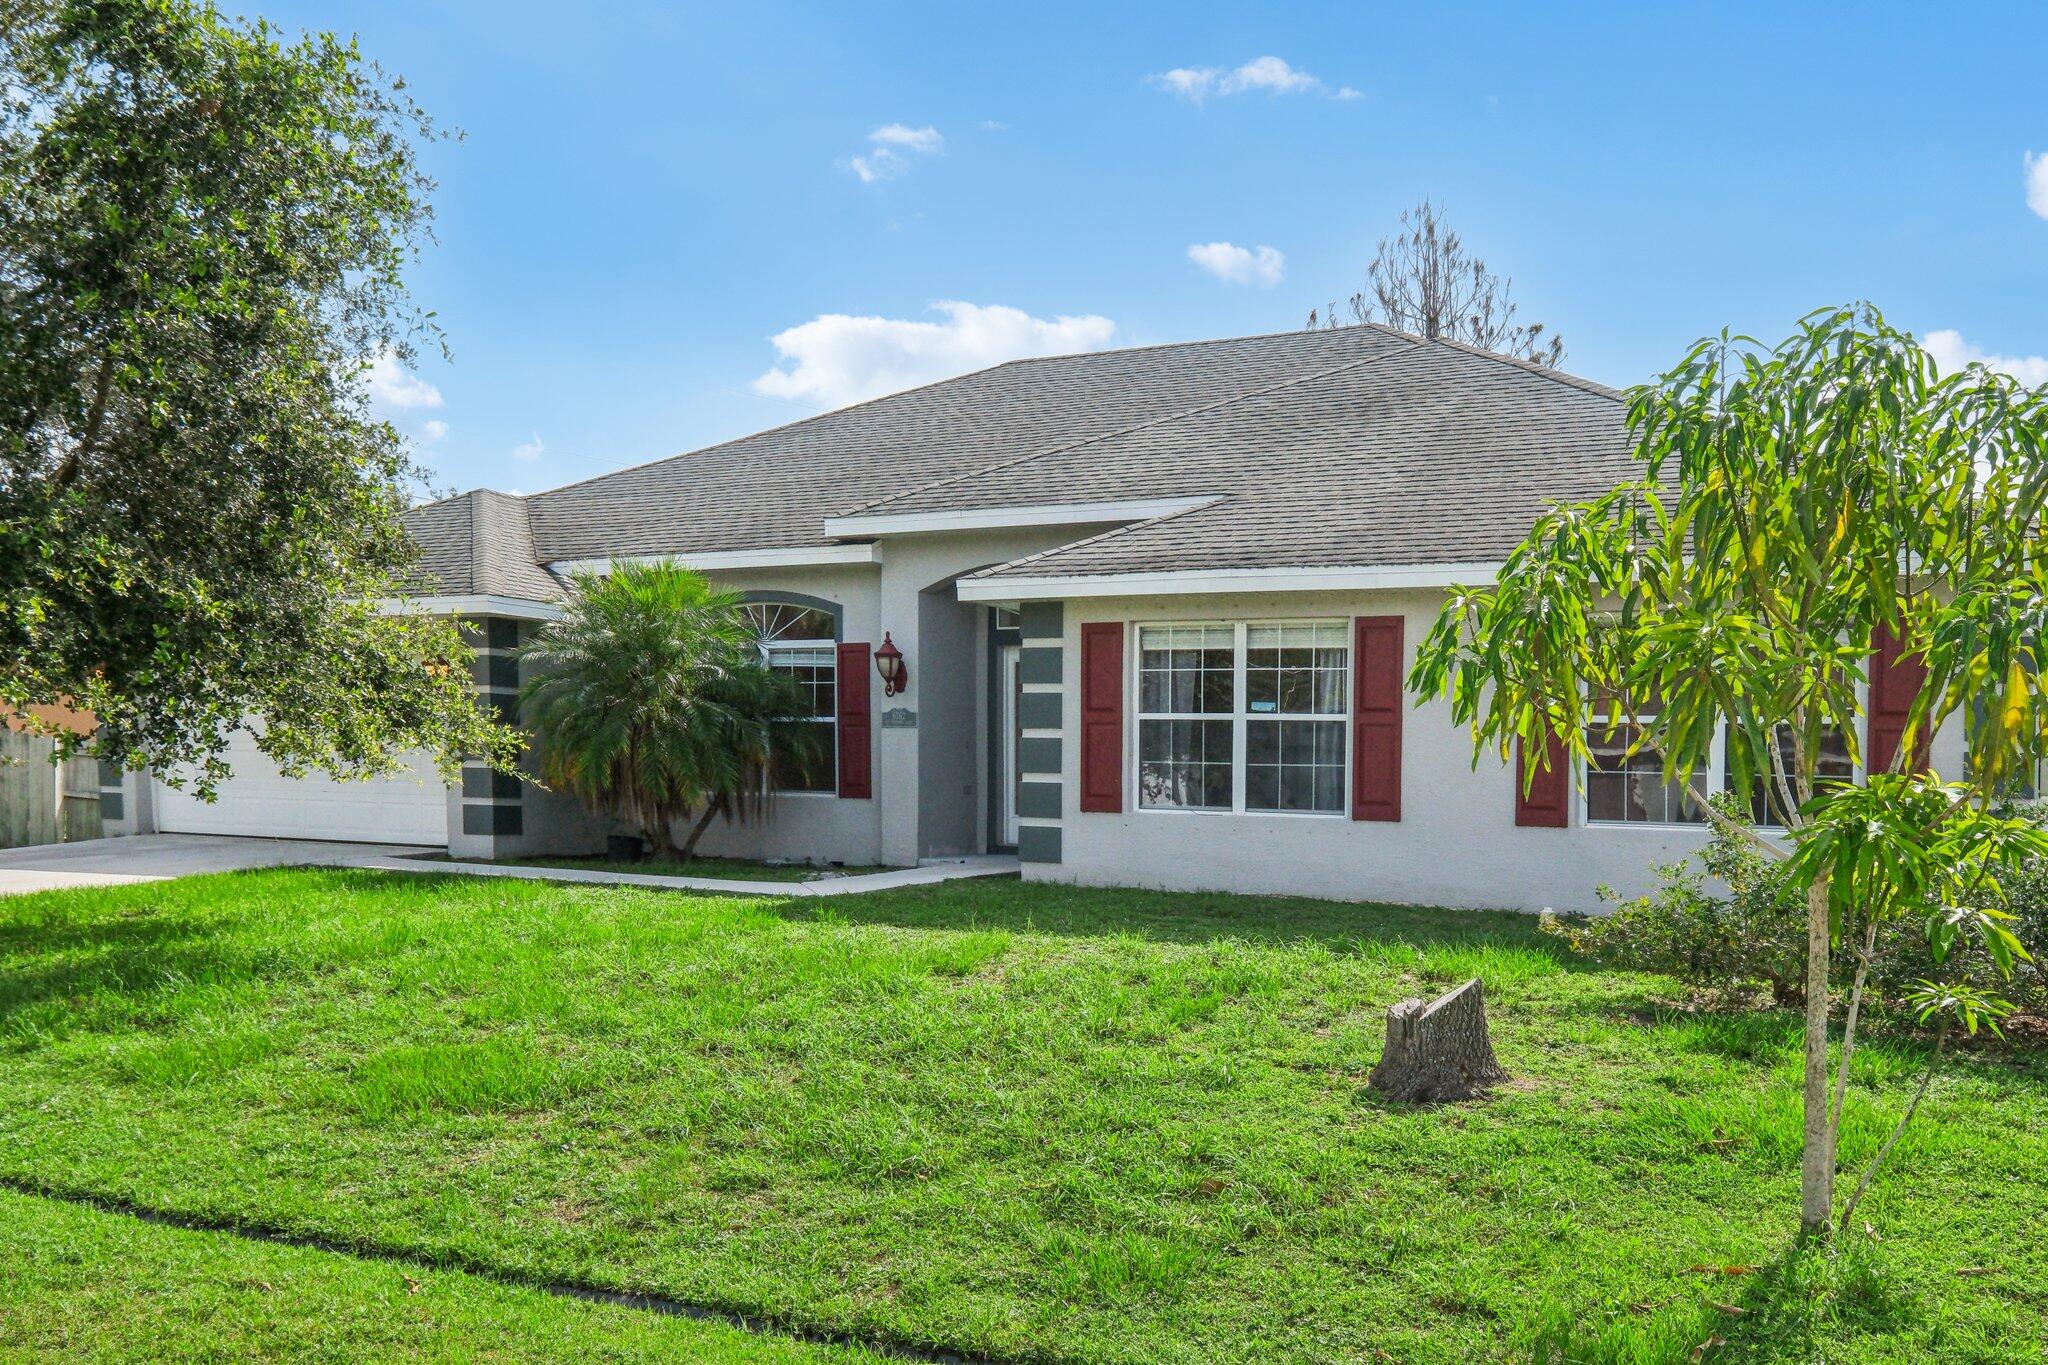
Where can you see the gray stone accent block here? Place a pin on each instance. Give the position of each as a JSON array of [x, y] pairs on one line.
[[1038, 754], [484, 784], [493, 819], [1041, 664], [1039, 800], [1038, 843], [495, 671], [1042, 620], [1040, 710]]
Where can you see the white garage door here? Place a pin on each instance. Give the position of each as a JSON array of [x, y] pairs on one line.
[[411, 808]]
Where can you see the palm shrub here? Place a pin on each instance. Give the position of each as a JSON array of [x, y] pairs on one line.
[[650, 702]]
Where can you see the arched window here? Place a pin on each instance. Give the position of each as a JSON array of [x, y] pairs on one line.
[[801, 641]]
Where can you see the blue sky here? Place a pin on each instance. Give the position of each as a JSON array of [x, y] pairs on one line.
[[647, 196]]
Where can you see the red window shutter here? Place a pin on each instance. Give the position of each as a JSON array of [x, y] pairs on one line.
[[1894, 684], [856, 724], [1542, 798], [1376, 668], [1102, 716]]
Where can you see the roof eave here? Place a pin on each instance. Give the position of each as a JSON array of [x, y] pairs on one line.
[[1185, 582], [1007, 518]]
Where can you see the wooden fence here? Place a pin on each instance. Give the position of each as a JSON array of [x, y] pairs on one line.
[[43, 803]]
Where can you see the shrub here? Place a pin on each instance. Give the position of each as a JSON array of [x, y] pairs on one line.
[[1755, 935]]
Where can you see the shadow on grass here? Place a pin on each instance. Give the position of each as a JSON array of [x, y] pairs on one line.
[[1802, 1305], [1188, 917], [123, 944]]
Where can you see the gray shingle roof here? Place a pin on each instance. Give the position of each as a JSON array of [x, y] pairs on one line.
[[1356, 447], [1427, 454], [777, 487], [480, 542]]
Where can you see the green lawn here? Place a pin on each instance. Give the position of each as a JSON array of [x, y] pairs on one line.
[[1024, 1120], [85, 1285]]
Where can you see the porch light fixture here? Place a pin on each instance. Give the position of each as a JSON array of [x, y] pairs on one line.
[[889, 663]]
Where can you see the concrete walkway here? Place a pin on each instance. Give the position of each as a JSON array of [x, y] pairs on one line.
[[982, 865], [156, 857]]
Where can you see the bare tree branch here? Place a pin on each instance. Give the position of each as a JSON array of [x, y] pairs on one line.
[[1424, 281]]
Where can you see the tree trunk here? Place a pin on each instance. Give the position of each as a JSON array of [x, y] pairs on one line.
[[1817, 1160], [1439, 1051], [658, 827], [689, 848]]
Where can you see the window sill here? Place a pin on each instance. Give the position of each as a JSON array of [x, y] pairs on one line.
[[1651, 826], [1243, 814]]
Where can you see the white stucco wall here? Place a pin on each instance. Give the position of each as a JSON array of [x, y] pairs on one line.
[[1456, 844], [812, 826], [926, 818], [929, 780]]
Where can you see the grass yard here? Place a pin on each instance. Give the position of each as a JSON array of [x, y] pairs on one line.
[[1021, 1120], [85, 1285]]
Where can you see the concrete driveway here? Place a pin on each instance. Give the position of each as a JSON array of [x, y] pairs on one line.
[[155, 857]]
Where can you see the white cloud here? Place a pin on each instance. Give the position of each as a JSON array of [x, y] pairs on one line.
[[834, 359], [1189, 82], [392, 386], [886, 156], [526, 452], [880, 164], [1270, 74], [994, 125], [925, 139], [1952, 353], [1235, 264], [2037, 182], [435, 430]]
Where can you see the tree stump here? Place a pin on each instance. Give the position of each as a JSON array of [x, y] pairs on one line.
[[1438, 1051]]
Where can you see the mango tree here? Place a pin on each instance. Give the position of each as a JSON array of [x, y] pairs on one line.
[[1800, 508]]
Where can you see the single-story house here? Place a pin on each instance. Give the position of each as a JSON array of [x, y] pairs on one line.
[[1155, 605]]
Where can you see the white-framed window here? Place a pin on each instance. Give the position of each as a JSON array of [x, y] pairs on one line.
[[1249, 717], [1834, 764], [1623, 788], [1625, 777], [801, 641]]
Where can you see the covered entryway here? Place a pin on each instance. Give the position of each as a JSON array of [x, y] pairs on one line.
[[410, 808]]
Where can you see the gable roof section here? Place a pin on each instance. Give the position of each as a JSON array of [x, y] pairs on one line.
[[478, 543], [1361, 448], [776, 488], [1430, 454]]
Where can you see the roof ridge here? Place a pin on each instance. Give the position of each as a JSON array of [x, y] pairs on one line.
[[477, 547], [1572, 381], [1113, 531], [1161, 420], [1200, 341]]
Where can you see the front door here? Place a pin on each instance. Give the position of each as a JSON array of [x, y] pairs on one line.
[[1009, 691]]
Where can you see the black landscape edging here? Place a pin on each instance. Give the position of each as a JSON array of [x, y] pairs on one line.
[[618, 1298]]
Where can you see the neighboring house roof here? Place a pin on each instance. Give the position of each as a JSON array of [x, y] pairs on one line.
[[479, 543], [1360, 446]]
